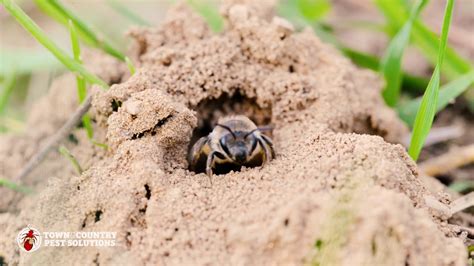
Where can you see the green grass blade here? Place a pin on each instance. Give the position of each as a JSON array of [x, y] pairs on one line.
[[41, 37], [81, 89], [101, 145], [444, 32], [127, 13], [209, 12], [362, 59], [51, 11], [425, 39], [13, 186], [76, 48], [80, 81], [447, 94], [86, 121], [67, 154], [391, 63], [130, 65], [424, 117], [313, 10], [60, 13], [7, 88]]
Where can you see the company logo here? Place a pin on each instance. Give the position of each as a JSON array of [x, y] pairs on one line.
[[29, 239]]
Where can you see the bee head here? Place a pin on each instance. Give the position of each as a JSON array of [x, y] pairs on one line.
[[238, 145]]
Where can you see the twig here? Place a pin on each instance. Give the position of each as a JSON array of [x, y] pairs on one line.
[[462, 203], [435, 204], [451, 160], [456, 206], [55, 139]]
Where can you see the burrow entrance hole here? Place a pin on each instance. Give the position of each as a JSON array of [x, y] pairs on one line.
[[210, 110]]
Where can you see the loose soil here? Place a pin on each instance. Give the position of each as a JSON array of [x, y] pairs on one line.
[[339, 192]]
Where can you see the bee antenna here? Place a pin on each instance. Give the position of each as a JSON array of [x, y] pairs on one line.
[[228, 129], [262, 128], [251, 132], [265, 128]]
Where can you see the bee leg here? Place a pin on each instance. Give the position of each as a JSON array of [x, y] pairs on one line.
[[267, 149], [211, 163], [270, 145], [209, 166]]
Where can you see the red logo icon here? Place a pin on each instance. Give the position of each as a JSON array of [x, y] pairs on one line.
[[29, 239]]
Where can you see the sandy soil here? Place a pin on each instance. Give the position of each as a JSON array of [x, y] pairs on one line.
[[336, 194]]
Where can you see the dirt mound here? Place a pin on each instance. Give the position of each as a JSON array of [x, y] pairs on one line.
[[332, 195]]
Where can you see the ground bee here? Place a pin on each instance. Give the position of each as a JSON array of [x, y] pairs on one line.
[[234, 142]]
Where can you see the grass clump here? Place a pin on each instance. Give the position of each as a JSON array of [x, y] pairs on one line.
[[426, 112], [427, 41]]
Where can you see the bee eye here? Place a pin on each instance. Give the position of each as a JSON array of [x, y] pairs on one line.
[[224, 146]]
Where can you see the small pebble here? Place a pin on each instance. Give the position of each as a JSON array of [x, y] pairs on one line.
[[133, 107]]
